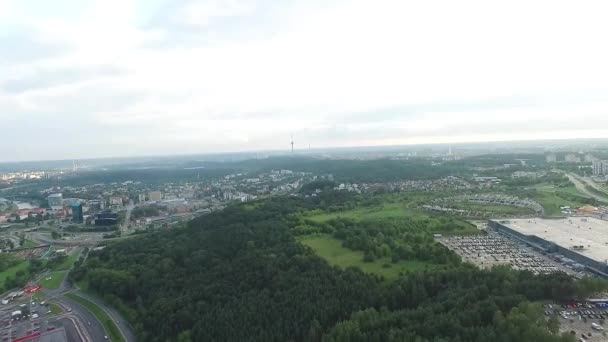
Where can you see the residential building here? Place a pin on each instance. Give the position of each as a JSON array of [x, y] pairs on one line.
[[155, 196], [600, 167], [572, 158], [116, 200]]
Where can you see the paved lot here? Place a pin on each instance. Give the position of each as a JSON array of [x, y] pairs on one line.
[[580, 321], [493, 249]]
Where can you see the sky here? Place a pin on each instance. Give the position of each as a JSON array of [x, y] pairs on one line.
[[101, 78]]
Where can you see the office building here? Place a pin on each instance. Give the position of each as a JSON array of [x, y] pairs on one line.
[[106, 218], [55, 201], [77, 215]]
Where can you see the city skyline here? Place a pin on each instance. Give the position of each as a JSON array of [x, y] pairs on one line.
[[94, 79]]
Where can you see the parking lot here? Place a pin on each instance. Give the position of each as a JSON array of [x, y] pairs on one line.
[[580, 318], [493, 249], [24, 318]]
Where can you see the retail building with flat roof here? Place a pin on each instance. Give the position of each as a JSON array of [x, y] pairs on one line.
[[582, 239]]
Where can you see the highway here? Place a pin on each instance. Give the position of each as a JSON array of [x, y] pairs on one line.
[[124, 227], [579, 183]]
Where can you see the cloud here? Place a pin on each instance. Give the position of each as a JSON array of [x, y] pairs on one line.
[[208, 76], [24, 47], [47, 78]]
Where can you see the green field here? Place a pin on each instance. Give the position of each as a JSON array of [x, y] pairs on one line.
[[388, 210], [101, 315], [548, 197], [332, 250], [29, 244], [10, 272], [54, 282]]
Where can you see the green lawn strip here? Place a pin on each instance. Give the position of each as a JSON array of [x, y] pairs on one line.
[[493, 208], [332, 250], [52, 280], [101, 315], [11, 271]]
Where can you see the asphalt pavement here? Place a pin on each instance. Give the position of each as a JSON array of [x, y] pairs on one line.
[[96, 329]]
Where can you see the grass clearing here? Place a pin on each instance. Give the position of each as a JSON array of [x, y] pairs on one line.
[[67, 264], [101, 315], [55, 280], [332, 250], [55, 309]]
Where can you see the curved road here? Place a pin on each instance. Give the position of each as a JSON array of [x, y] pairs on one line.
[[96, 329]]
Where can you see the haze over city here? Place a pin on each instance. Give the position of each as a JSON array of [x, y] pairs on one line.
[[133, 77]]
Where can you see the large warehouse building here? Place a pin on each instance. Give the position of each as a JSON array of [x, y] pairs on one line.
[[581, 239]]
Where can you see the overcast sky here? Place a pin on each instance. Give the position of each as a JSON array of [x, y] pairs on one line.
[[93, 78]]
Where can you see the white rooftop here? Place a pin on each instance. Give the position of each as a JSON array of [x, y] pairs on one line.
[[589, 232]]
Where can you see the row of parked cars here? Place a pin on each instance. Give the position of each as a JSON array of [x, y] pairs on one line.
[[580, 309]]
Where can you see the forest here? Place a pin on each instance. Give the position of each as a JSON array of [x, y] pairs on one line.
[[242, 275]]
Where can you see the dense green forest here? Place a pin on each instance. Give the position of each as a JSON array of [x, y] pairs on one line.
[[242, 275]]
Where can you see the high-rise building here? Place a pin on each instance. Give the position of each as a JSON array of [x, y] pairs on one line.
[[600, 167], [551, 158], [77, 215], [155, 196], [55, 201]]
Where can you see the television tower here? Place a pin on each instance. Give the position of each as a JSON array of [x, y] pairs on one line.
[[292, 143]]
